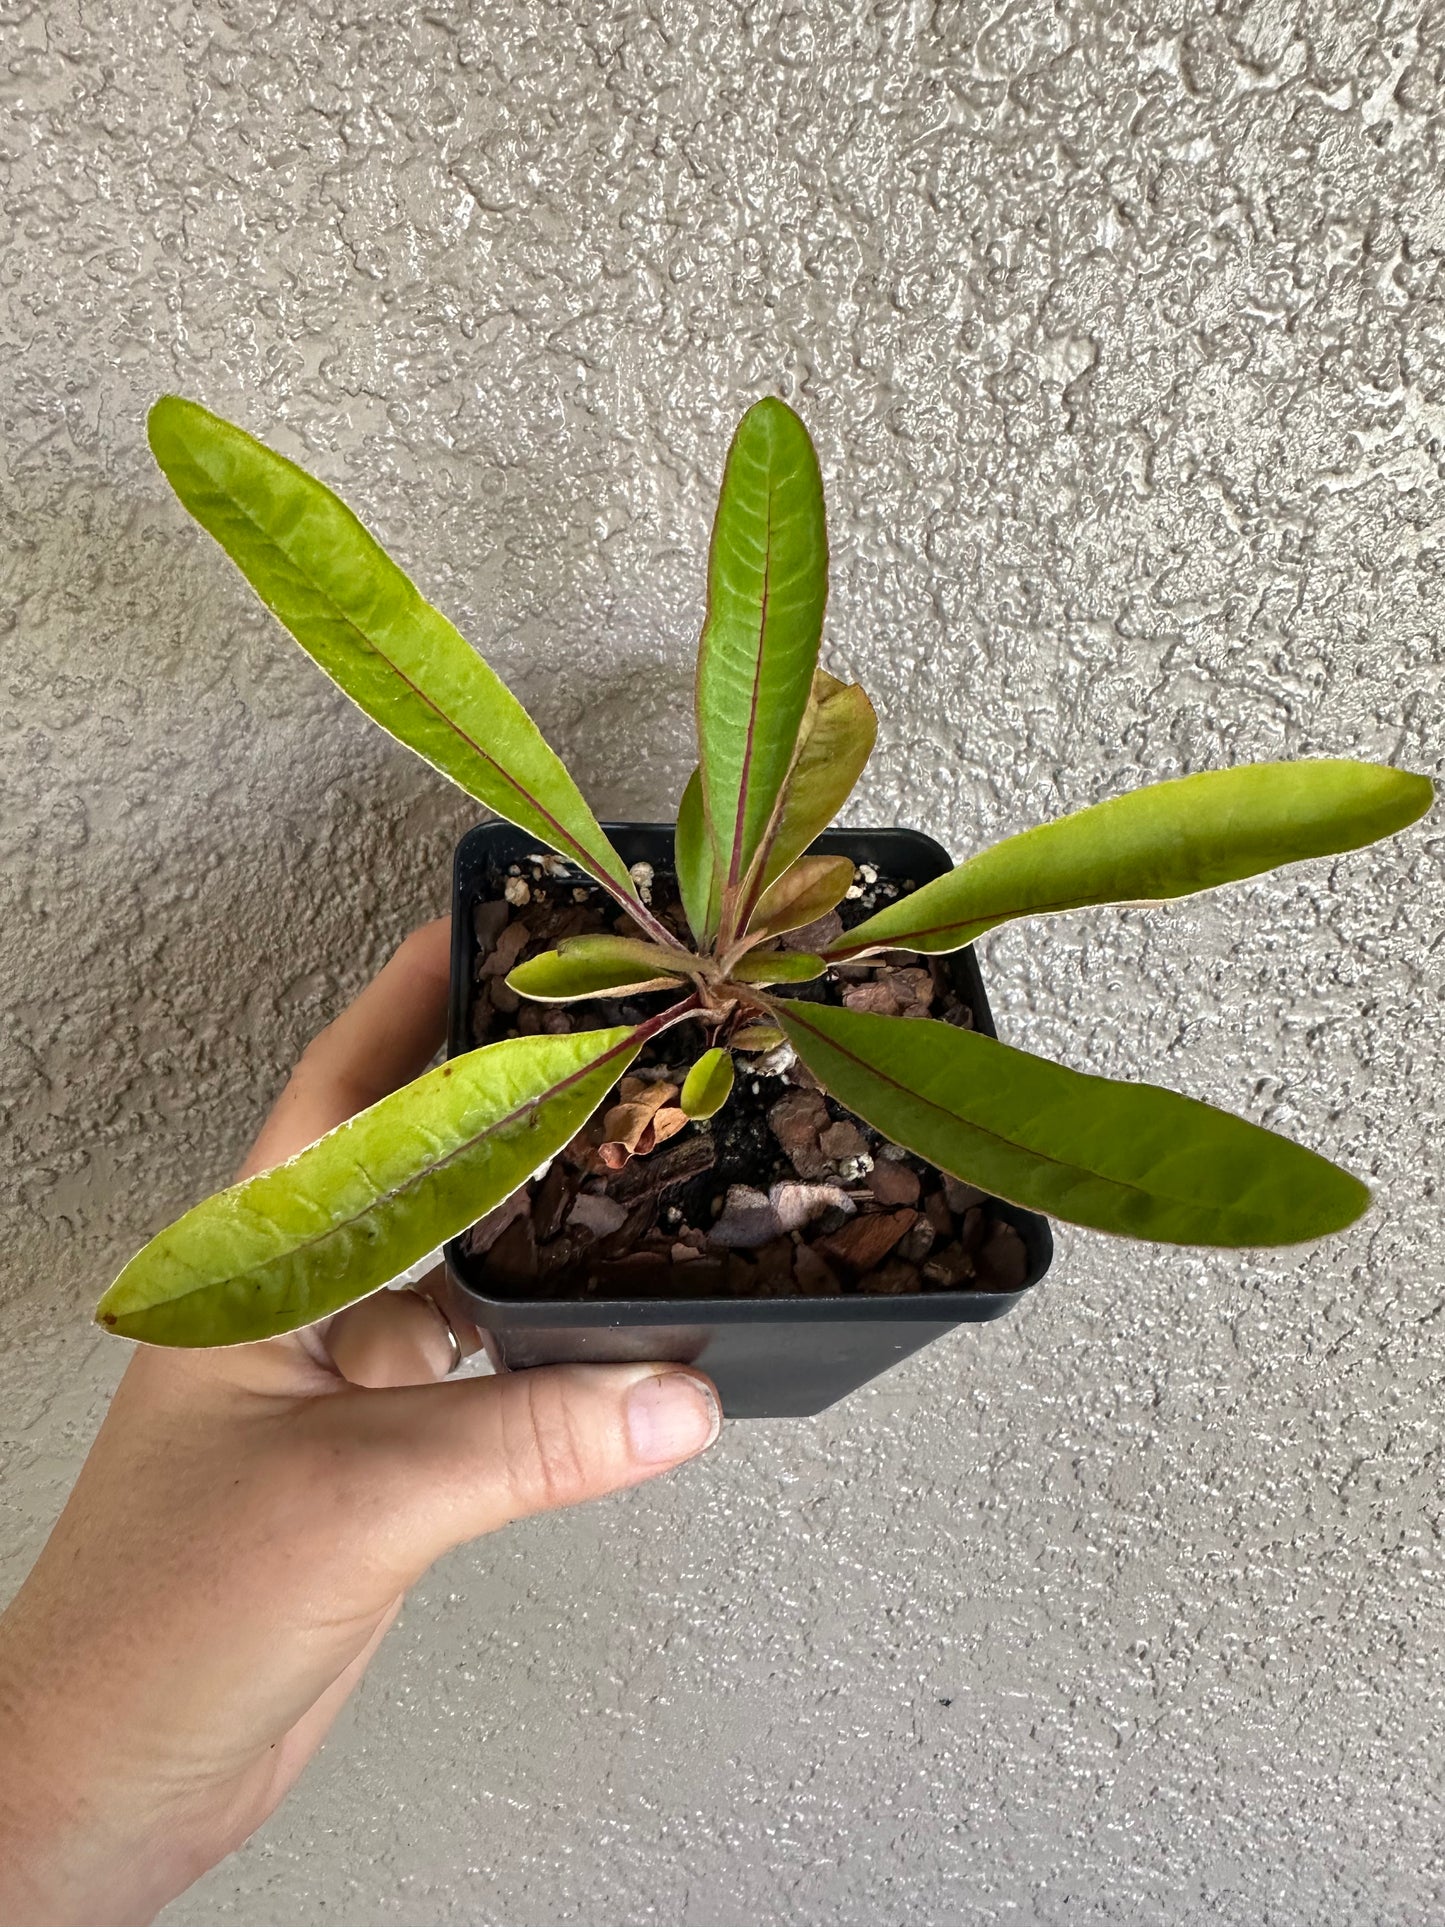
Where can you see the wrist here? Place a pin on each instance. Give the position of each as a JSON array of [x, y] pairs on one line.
[[73, 1848], [34, 1816]]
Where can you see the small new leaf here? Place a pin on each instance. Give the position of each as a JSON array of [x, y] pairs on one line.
[[838, 732], [801, 895], [369, 1199], [756, 1037], [708, 1085], [596, 967], [1127, 1158], [1167, 840]]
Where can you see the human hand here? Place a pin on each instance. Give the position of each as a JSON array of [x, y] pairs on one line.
[[246, 1525]]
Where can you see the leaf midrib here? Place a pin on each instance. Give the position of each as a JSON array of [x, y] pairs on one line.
[[744, 775], [998, 1136]]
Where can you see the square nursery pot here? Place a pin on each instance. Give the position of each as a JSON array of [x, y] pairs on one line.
[[770, 1357]]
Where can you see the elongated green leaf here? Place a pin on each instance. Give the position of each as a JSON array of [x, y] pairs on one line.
[[767, 584], [1168, 840], [357, 615], [370, 1198], [708, 1085], [594, 967], [802, 894], [777, 967], [838, 732], [1128, 1158], [699, 880]]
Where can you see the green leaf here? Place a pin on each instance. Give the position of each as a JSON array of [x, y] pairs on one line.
[[596, 967], [838, 732], [708, 1085], [756, 1037], [358, 616], [1128, 1158], [370, 1198], [1168, 840], [777, 967], [767, 584], [698, 880], [802, 894]]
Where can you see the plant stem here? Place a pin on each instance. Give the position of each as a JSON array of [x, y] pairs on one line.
[[740, 946], [665, 1019]]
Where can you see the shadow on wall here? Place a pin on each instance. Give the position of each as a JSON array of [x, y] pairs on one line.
[[632, 746], [151, 695]]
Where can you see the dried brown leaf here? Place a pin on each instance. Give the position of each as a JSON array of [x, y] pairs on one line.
[[643, 1119]]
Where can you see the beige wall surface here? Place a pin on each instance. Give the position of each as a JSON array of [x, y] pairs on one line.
[[1120, 329]]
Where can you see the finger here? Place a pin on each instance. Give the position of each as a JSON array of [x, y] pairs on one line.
[[385, 1038], [470, 1456], [399, 1338]]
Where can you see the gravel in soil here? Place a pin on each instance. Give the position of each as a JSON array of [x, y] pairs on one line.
[[783, 1193]]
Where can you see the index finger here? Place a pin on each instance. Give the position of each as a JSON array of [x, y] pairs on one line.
[[381, 1041]]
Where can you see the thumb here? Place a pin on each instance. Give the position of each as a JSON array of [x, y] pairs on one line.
[[472, 1455]]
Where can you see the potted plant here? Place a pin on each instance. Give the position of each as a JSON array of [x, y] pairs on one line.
[[726, 1092]]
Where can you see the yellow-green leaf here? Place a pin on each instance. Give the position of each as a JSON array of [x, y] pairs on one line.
[[1127, 1158], [356, 614], [708, 1085], [837, 736], [802, 894], [756, 1037], [596, 967], [1168, 840], [777, 967], [766, 586], [367, 1200]]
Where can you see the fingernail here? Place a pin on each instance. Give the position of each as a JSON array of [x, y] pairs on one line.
[[671, 1418]]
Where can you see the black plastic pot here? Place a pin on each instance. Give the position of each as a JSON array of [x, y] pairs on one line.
[[770, 1357]]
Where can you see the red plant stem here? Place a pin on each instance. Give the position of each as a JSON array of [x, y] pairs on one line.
[[665, 1019]]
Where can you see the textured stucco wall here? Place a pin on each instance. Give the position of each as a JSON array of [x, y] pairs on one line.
[[1120, 330]]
